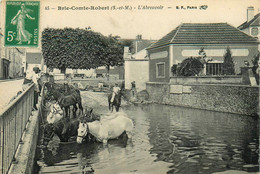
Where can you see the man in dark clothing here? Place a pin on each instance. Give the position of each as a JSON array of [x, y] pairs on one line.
[[133, 88]]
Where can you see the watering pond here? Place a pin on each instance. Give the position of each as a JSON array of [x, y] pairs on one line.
[[166, 139]]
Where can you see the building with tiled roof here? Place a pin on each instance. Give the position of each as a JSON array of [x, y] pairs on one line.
[[188, 38], [136, 63], [137, 46], [252, 25], [34, 59]]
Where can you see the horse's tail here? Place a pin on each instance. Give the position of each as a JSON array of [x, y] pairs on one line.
[[80, 104], [129, 128]]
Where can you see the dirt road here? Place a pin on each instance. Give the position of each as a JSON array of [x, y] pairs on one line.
[[9, 89]]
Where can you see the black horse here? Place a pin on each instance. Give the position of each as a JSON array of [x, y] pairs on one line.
[[67, 128], [116, 102], [66, 96], [64, 129]]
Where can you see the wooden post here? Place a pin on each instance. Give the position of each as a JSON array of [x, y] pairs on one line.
[[1, 143]]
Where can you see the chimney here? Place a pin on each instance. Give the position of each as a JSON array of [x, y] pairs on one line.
[[250, 13], [126, 52], [139, 37]]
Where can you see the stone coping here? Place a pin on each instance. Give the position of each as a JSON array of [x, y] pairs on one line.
[[209, 76], [202, 84]]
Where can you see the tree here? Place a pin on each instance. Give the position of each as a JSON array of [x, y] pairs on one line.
[[112, 53], [202, 53], [191, 66], [70, 48], [80, 49], [228, 65], [255, 67], [174, 69], [128, 43]]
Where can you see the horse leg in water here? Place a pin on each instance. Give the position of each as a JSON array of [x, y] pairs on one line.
[[109, 105], [67, 111], [75, 108], [112, 105], [117, 108], [80, 107]]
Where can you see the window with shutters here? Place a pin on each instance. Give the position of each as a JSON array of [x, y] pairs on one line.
[[160, 70]]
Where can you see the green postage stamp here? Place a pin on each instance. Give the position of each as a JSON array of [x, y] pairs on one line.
[[22, 23]]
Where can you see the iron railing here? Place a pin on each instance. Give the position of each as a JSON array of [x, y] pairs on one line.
[[13, 120]]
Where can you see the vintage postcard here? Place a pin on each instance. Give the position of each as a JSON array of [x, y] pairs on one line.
[[181, 75]]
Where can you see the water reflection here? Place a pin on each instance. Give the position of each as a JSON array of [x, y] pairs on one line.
[[205, 141], [166, 139]]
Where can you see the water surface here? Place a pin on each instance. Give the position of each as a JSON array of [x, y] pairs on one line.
[[166, 139]]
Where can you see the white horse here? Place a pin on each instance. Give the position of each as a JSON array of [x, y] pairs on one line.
[[109, 127], [56, 113]]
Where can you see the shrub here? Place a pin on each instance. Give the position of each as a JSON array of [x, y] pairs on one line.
[[191, 66], [174, 69], [228, 65]]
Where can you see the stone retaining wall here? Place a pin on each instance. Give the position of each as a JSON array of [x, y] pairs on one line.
[[224, 98]]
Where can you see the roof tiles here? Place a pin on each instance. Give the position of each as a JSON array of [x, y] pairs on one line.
[[253, 22], [204, 33], [33, 58]]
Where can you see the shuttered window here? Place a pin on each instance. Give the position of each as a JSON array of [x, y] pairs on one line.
[[160, 70]]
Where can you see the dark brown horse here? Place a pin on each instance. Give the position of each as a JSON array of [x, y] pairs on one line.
[[116, 102], [67, 128], [66, 97], [64, 129]]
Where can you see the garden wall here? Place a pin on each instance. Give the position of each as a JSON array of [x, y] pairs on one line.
[[207, 80], [237, 99]]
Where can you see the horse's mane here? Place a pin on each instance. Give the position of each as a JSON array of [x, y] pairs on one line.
[[111, 116]]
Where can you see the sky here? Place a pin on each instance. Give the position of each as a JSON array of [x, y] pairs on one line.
[[151, 23]]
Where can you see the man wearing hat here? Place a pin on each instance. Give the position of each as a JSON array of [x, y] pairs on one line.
[[133, 88], [32, 77]]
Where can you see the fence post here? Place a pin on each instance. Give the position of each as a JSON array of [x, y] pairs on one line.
[[1, 143]]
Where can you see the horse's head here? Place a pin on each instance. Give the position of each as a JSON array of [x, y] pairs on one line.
[[48, 132], [56, 114], [117, 101], [48, 85], [82, 131], [55, 108], [66, 88], [83, 125], [88, 114]]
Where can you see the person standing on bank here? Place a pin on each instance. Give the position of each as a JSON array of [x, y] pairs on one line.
[[133, 88], [32, 77]]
